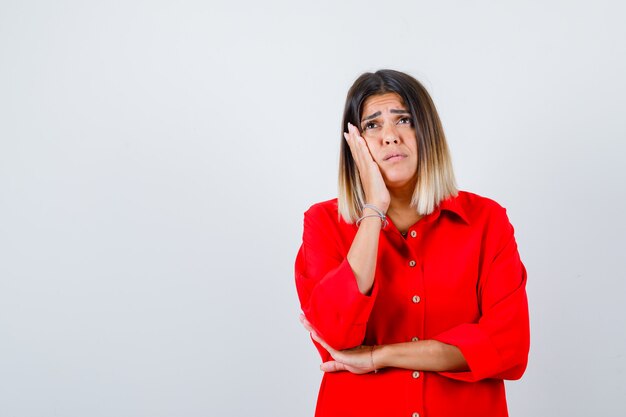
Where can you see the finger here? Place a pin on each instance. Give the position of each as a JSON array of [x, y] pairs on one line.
[[307, 325], [316, 336], [333, 366], [357, 156], [322, 342], [361, 145], [350, 139], [353, 132], [365, 150], [358, 147]]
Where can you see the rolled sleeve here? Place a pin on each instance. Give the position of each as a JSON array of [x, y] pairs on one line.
[[327, 288], [336, 307], [497, 345]]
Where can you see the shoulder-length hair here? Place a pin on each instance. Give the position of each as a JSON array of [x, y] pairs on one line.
[[435, 176]]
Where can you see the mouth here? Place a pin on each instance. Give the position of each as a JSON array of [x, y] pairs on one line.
[[394, 157]]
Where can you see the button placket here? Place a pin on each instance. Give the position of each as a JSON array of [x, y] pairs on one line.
[[415, 406]]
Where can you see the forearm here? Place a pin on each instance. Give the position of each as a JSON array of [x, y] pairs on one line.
[[364, 251], [424, 355]]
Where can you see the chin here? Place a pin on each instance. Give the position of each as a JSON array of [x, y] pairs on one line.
[[392, 182], [400, 179]]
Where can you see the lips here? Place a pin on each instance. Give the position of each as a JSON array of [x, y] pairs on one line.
[[395, 156]]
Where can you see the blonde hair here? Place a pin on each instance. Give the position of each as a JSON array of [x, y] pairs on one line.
[[435, 176]]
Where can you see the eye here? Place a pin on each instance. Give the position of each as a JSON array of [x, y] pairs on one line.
[[369, 125], [405, 121]]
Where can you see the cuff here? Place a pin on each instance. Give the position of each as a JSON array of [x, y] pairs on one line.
[[480, 354], [346, 310]]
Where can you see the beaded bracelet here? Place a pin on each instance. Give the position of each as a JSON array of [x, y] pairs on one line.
[[379, 214]]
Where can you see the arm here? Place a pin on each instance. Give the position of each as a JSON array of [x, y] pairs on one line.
[[327, 281], [427, 355], [363, 253], [336, 289], [424, 355], [364, 250], [497, 345]]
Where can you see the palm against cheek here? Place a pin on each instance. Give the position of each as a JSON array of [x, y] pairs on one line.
[[371, 177]]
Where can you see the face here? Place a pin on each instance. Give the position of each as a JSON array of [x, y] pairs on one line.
[[387, 127]]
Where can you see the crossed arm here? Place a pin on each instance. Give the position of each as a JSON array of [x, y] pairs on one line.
[[423, 355]]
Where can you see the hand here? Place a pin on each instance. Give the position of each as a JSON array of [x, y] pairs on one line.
[[358, 360], [376, 191]]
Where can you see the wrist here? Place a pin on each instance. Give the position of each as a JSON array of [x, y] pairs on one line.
[[379, 356], [376, 205], [371, 211], [371, 219]]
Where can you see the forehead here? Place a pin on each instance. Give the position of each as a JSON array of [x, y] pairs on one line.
[[382, 102]]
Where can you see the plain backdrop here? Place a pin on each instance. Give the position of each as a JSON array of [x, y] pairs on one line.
[[156, 158]]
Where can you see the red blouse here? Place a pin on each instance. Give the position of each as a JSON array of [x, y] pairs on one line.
[[456, 277]]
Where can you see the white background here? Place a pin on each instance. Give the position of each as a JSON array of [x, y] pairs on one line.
[[156, 159]]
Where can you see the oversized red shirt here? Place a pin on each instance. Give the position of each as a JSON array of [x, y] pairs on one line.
[[456, 277]]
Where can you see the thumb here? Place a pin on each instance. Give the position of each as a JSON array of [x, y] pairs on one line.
[[333, 366]]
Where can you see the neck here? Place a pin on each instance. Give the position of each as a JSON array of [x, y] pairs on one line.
[[400, 210], [400, 198]]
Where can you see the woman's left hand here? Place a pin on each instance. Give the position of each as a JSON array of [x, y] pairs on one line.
[[358, 360]]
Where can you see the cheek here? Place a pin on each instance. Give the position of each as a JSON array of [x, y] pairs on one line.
[[411, 141]]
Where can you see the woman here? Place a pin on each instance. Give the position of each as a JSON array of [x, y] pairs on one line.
[[413, 291]]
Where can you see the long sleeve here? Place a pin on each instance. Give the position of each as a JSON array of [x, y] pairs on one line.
[[327, 287], [497, 345]]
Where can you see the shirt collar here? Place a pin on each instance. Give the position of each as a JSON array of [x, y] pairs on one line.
[[452, 205]]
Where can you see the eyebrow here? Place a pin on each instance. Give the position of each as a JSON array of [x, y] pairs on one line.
[[378, 113]]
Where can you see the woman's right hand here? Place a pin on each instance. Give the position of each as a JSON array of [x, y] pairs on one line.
[[358, 360], [376, 191]]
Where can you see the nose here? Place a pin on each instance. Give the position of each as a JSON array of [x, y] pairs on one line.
[[390, 135], [390, 140]]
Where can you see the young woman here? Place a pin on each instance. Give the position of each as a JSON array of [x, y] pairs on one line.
[[413, 291]]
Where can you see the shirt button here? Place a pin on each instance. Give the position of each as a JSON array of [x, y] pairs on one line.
[[416, 299], [416, 374], [411, 263], [413, 233], [415, 415], [415, 339]]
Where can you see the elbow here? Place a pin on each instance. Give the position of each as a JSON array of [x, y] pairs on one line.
[[349, 341], [336, 333], [341, 338], [517, 365], [515, 373]]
